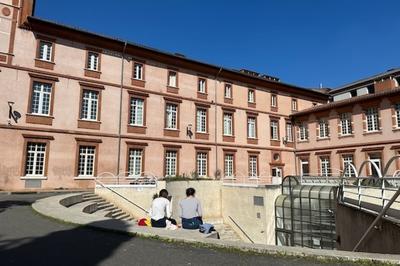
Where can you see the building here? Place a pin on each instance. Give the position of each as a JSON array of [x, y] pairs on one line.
[[90, 104]]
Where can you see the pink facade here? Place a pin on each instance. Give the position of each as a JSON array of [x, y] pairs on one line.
[[92, 104]]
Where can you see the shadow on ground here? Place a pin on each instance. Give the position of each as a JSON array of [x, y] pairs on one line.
[[4, 205], [77, 246]]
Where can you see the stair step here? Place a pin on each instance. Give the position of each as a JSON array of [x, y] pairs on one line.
[[123, 217], [118, 215]]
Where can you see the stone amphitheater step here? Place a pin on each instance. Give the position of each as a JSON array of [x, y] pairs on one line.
[[226, 232]]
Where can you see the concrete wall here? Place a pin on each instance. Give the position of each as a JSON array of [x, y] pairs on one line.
[[258, 222], [351, 224]]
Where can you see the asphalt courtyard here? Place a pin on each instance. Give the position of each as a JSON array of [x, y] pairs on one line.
[[27, 238]]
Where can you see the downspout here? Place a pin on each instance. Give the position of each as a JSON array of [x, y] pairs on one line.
[[216, 120], [120, 111]]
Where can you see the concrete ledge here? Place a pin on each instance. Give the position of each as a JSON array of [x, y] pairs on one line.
[[50, 207]]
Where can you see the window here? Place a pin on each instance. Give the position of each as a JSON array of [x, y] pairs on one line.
[[228, 91], [45, 50], [93, 61], [41, 97], [303, 132], [251, 96], [323, 129], [86, 160], [274, 100], [276, 172], [348, 170], [35, 159], [137, 112], [171, 163], [171, 116], [289, 132], [304, 167], [294, 105], [345, 123], [202, 88], [397, 110], [377, 159], [201, 120], [253, 166], [135, 162], [372, 119], [274, 130], [201, 162], [172, 79], [229, 165], [228, 124], [325, 166], [138, 71], [251, 127], [89, 105]]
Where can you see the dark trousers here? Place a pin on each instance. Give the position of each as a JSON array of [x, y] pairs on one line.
[[192, 223], [162, 222]]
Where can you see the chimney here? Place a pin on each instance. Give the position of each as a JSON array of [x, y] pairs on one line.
[[27, 8]]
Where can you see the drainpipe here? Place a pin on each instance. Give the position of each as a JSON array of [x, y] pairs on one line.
[[215, 118], [120, 111]]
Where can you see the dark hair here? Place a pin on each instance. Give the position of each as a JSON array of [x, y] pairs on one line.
[[163, 193], [190, 191]]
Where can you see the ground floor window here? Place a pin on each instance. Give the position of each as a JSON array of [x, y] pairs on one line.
[[253, 173], [304, 167], [276, 172], [376, 158], [201, 162], [135, 162], [87, 156], [35, 159], [229, 165], [171, 160], [325, 166], [347, 162]]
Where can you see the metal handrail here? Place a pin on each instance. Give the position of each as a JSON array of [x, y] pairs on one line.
[[240, 228]]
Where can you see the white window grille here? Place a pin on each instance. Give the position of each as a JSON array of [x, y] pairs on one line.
[[89, 105], [201, 119], [86, 160], [228, 91], [289, 132], [45, 50], [253, 166], [274, 100], [35, 159], [202, 164], [325, 166], [137, 112], [138, 71], [228, 124], [202, 86], [171, 116], [303, 132], [93, 61], [172, 77], [323, 129], [170, 163], [274, 130], [397, 110], [372, 119], [251, 127], [347, 159], [251, 96], [229, 165], [345, 123], [41, 98], [135, 162]]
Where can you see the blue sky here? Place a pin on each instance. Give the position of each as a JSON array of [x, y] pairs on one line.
[[304, 42]]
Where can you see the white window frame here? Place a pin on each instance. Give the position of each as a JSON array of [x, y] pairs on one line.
[[41, 98], [274, 100], [93, 61], [201, 163], [90, 105], [251, 127], [171, 162], [172, 78], [325, 166], [229, 165], [349, 171], [138, 70], [135, 162], [202, 86], [276, 172], [303, 132], [251, 96], [397, 114], [228, 124], [136, 114], [45, 50], [372, 119], [345, 124], [228, 91], [323, 129], [294, 104], [87, 153], [35, 156], [201, 120], [253, 169], [274, 130], [171, 113], [289, 132], [302, 163]]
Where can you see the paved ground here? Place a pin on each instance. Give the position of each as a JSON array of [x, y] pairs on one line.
[[27, 238]]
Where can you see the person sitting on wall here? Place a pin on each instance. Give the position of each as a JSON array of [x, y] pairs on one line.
[[160, 210], [191, 212]]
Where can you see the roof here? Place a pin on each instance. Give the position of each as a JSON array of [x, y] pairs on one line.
[[366, 81], [346, 102], [116, 44]]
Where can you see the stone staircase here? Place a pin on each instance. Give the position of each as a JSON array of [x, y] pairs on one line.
[[91, 203]]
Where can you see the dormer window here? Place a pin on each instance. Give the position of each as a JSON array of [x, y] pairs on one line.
[[93, 61], [45, 51]]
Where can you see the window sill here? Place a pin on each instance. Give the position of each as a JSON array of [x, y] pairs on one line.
[[228, 100], [138, 82], [303, 141], [372, 132], [322, 139], [44, 64], [131, 177], [84, 178], [396, 129], [346, 136], [274, 108], [89, 124], [202, 95], [252, 141], [275, 142], [39, 119], [228, 138], [254, 178], [136, 129], [201, 135], [92, 73], [251, 104], [33, 178], [171, 132], [229, 178], [171, 89]]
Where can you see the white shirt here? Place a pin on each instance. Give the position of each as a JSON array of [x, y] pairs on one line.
[[160, 208]]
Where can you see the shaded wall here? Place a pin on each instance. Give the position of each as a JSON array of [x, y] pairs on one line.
[[351, 224]]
